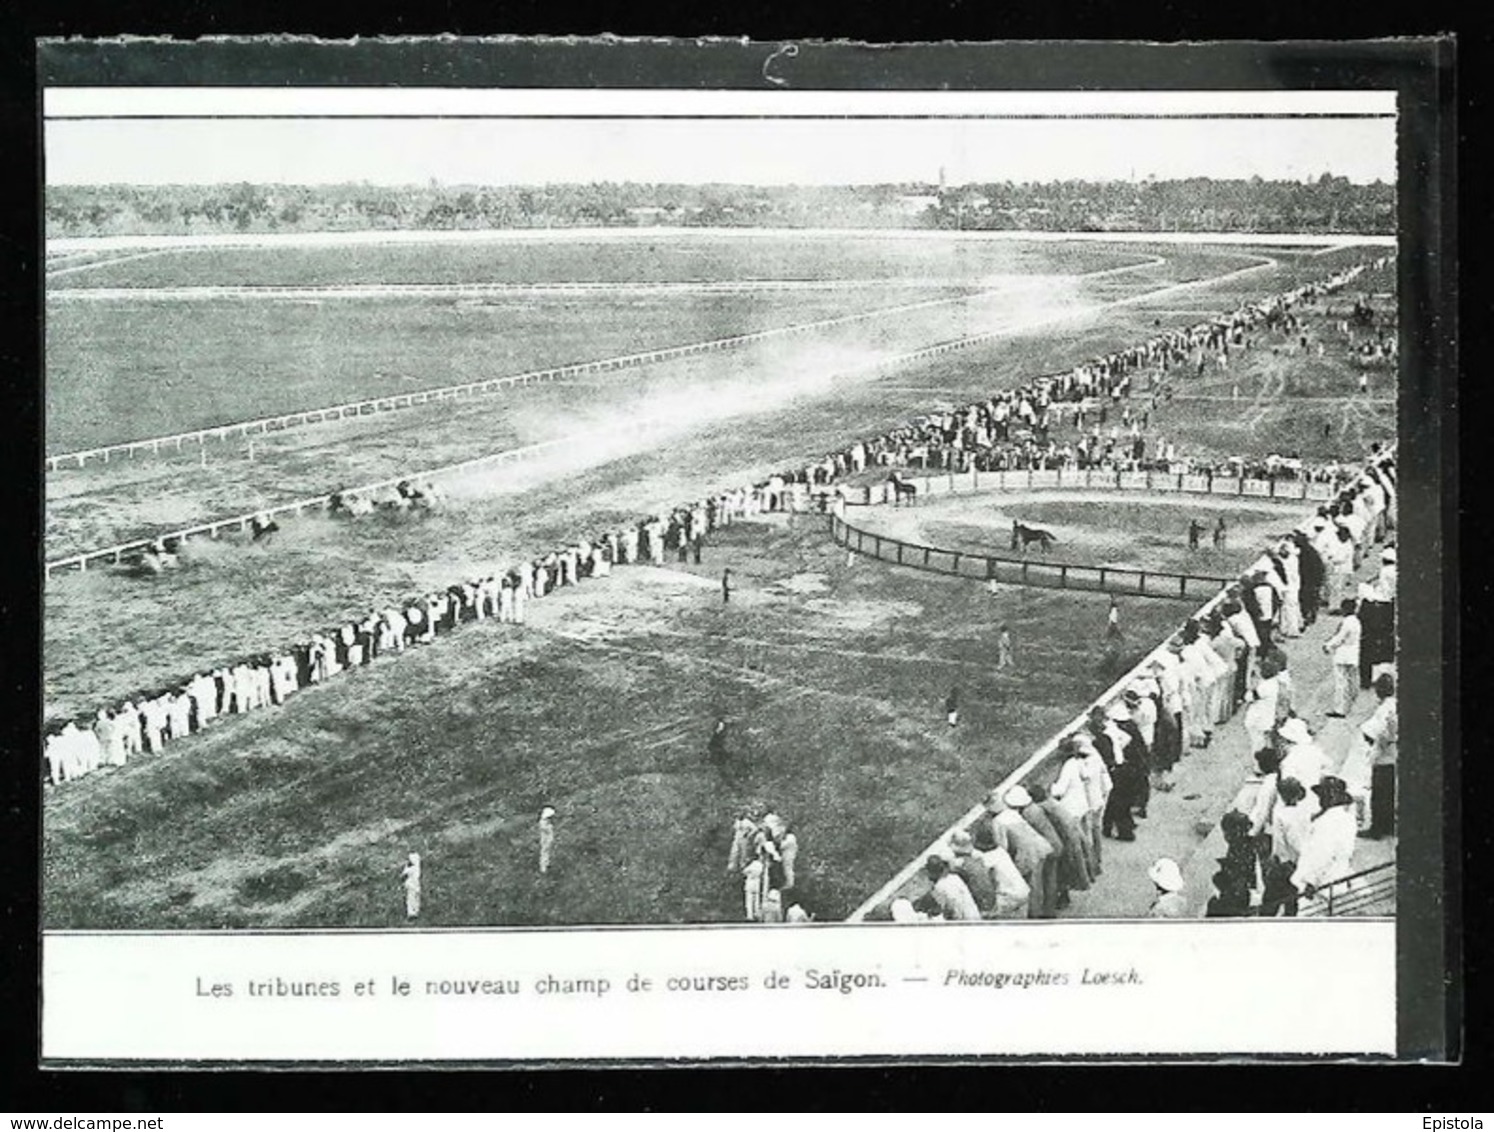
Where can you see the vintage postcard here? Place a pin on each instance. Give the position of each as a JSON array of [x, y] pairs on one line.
[[541, 574]]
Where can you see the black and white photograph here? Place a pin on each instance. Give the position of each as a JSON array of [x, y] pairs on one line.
[[516, 520]]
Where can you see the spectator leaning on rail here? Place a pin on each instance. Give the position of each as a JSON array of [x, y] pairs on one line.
[[948, 894], [1329, 846]]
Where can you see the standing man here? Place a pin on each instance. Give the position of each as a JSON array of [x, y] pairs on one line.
[[1004, 648], [410, 874], [1195, 531], [716, 749], [1113, 635], [726, 586], [1117, 820], [1220, 535], [1343, 647], [1381, 731], [546, 838], [952, 706]]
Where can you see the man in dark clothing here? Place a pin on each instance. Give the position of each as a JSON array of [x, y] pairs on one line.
[[726, 585], [716, 748], [1116, 821], [1310, 567], [1195, 531]]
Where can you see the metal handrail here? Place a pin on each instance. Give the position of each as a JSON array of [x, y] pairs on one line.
[[1337, 898], [909, 872]]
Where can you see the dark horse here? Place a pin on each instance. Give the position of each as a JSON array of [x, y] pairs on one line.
[[1023, 537], [902, 489]]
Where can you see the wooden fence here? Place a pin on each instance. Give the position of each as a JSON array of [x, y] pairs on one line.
[[373, 405], [910, 881], [241, 523], [1279, 489], [1024, 571]]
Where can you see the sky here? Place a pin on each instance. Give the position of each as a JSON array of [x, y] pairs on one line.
[[850, 147]]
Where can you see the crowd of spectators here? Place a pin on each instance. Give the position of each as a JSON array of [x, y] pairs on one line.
[[763, 856], [1011, 426], [1038, 842]]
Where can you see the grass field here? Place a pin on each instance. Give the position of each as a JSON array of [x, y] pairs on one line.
[[832, 676], [102, 635], [133, 369], [601, 706], [616, 258], [102, 505]]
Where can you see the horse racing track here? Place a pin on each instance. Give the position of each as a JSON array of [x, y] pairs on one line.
[[831, 673]]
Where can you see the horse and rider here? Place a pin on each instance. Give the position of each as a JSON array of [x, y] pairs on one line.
[[408, 496], [1024, 536]]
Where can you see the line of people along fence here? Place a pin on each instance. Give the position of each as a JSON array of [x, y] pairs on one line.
[[910, 880], [118, 552], [1023, 571], [371, 406], [374, 405]]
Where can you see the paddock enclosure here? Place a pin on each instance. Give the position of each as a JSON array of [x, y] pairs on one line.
[[831, 669]]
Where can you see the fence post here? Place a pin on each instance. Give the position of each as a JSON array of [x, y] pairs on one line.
[[1102, 575], [899, 553]]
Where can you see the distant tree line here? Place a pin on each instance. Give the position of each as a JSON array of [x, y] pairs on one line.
[[1330, 204]]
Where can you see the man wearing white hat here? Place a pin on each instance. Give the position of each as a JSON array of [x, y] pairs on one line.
[[974, 871], [1117, 820], [1168, 879], [1303, 759], [1025, 803], [1029, 849]]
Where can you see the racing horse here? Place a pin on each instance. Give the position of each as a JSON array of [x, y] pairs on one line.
[[902, 489], [1024, 536]]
